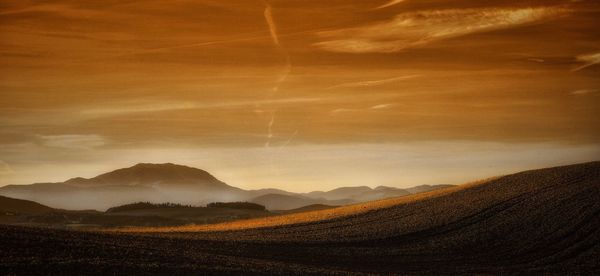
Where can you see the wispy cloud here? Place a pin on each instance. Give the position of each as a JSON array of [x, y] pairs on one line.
[[390, 3], [73, 141], [381, 106], [587, 60], [372, 82], [128, 108], [418, 28], [372, 108], [584, 91], [344, 110]]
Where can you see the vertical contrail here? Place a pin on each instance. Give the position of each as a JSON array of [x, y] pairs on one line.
[[268, 13], [270, 130], [271, 23]]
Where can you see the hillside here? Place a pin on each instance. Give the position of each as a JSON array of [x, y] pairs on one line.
[[288, 202], [535, 222], [308, 208], [142, 182], [19, 206]]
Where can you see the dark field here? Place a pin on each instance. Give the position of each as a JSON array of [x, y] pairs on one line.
[[544, 221]]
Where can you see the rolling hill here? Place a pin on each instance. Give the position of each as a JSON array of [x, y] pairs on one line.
[[535, 222], [19, 206], [287, 202]]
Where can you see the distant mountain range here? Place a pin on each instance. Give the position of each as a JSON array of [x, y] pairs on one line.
[[184, 185]]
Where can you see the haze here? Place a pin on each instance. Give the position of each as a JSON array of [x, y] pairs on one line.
[[299, 95]]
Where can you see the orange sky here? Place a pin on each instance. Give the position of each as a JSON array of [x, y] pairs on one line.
[[282, 93]]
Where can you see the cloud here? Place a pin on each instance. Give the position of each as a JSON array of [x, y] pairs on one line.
[[584, 91], [389, 4], [372, 82], [587, 60], [343, 110], [127, 108], [538, 60], [73, 141], [381, 106], [374, 107], [414, 29]]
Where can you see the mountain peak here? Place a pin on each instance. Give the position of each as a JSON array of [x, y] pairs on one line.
[[158, 165], [147, 174]]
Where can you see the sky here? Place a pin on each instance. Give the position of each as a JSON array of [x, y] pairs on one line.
[[296, 94]]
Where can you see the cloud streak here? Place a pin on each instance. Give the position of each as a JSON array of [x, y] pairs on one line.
[[389, 4], [584, 91], [128, 108], [372, 82], [414, 29], [587, 60], [73, 141]]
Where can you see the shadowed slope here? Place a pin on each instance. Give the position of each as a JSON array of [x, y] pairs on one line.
[[20, 206]]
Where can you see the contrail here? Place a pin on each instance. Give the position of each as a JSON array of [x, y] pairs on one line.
[[271, 23], [275, 37], [389, 4], [373, 82], [588, 60], [270, 130], [289, 140], [268, 13]]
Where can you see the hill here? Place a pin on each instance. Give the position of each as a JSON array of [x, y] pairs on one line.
[[364, 193], [19, 206], [287, 202], [535, 222], [142, 182], [146, 174], [308, 208]]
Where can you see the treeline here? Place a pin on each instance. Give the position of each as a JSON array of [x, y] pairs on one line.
[[148, 205], [237, 205], [145, 205]]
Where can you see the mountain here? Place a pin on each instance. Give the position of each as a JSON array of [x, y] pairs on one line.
[[267, 191], [18, 206], [161, 183], [340, 193], [143, 182], [287, 202], [544, 222], [364, 193], [152, 175]]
